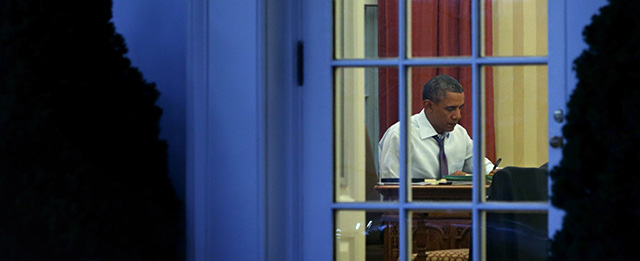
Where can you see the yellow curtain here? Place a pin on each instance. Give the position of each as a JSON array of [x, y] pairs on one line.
[[519, 28]]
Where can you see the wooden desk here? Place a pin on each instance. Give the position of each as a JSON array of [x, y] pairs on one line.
[[429, 192], [430, 231]]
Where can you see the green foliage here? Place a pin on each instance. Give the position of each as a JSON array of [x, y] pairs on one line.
[[83, 175], [596, 183]]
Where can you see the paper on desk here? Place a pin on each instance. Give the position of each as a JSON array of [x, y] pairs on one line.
[[425, 182], [462, 183]]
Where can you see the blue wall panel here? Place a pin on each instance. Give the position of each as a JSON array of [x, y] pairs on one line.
[[234, 132], [225, 183]]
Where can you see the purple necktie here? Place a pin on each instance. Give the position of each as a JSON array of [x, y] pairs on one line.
[[442, 158]]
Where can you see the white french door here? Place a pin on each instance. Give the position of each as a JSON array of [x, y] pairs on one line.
[[336, 105]]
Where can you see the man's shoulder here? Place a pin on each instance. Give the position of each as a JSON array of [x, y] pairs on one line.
[[393, 129], [460, 131], [459, 128]]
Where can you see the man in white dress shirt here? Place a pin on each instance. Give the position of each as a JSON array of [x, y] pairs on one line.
[[443, 98]]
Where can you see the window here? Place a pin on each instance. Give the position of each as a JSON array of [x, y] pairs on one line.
[[384, 51]]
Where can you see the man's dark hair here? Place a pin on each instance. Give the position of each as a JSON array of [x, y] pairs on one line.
[[436, 88]]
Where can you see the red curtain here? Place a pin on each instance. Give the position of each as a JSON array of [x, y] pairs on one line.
[[438, 28]]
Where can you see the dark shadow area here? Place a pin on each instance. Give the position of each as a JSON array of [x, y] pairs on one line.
[[83, 174], [518, 236]]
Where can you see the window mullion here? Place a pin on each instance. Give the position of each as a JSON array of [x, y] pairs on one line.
[[478, 178], [478, 169], [403, 96], [535, 206]]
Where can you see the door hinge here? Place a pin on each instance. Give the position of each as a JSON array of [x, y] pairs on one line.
[[300, 63]]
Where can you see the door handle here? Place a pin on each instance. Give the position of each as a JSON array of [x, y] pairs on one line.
[[558, 115], [556, 142]]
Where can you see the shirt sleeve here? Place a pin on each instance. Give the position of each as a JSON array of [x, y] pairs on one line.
[[468, 162], [468, 159], [488, 166], [389, 155]]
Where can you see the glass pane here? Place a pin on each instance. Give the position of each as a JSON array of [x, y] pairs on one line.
[[438, 28], [515, 128], [365, 29], [367, 235], [514, 28], [441, 235], [365, 99], [516, 236]]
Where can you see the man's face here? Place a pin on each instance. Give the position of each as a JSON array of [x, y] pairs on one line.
[[445, 114]]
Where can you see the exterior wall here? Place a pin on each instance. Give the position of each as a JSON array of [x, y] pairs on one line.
[[225, 173]]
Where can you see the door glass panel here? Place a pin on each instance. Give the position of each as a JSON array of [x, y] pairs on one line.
[[514, 127], [359, 108], [514, 28], [363, 235], [515, 124], [440, 235], [365, 29], [438, 28], [516, 236]]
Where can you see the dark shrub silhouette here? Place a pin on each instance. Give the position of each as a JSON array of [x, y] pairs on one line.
[[596, 182], [83, 175]]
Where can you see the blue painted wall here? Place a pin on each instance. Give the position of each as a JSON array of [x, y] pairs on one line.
[[155, 34], [225, 170]]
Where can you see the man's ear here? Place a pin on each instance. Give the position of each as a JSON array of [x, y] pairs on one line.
[[427, 105]]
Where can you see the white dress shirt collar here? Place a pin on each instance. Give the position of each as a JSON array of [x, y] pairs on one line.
[[426, 129]]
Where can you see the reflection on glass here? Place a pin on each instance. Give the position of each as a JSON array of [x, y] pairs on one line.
[[514, 28], [438, 28], [361, 235], [357, 25], [441, 233], [516, 236], [357, 111]]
